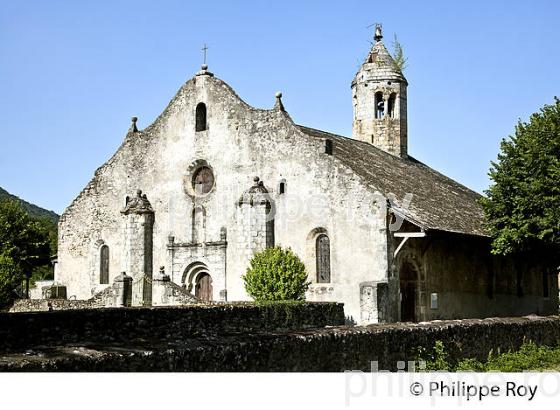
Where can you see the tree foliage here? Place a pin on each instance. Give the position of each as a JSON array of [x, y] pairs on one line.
[[276, 274], [10, 277], [33, 210], [25, 246], [523, 204]]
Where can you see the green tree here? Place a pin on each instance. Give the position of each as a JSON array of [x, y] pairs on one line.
[[25, 245], [276, 274], [522, 206], [10, 277]]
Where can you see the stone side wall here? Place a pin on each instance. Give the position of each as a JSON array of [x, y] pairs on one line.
[[106, 298], [469, 282], [329, 349], [157, 324]]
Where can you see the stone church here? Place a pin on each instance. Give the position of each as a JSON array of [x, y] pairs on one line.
[[177, 212]]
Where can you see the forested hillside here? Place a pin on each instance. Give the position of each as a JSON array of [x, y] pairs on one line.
[[33, 210]]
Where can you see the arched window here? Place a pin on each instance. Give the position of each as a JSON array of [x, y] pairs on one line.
[[391, 105], [323, 256], [201, 117], [198, 216], [270, 233], [282, 187], [379, 105], [104, 265]]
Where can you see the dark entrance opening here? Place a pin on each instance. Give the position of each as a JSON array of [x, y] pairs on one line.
[[409, 292], [203, 287]]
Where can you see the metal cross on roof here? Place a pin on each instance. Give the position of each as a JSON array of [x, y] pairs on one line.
[[204, 50]]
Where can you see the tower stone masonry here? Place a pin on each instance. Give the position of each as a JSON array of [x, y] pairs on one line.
[[379, 101], [139, 247]]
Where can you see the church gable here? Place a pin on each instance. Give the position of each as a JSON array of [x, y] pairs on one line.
[[193, 162]]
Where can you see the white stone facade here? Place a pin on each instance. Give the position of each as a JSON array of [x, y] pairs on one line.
[[203, 212], [240, 142]]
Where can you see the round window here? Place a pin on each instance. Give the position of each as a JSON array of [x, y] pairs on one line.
[[203, 180]]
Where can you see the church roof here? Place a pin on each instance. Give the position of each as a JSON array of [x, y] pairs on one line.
[[438, 202]]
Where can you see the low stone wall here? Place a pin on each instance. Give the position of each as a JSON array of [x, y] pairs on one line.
[[164, 293], [327, 349], [45, 305], [114, 326]]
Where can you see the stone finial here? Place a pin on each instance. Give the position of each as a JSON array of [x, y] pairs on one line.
[[378, 33], [123, 277], [161, 276], [204, 71], [278, 104], [138, 205], [257, 193], [133, 127]]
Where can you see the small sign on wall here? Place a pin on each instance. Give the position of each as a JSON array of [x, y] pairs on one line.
[[434, 301]]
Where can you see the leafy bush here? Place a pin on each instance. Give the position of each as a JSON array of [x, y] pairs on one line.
[[436, 360], [10, 277], [528, 357], [276, 274]]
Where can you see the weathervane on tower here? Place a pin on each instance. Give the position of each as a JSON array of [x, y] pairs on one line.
[[378, 34], [378, 31]]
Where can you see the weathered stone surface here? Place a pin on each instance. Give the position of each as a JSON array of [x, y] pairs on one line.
[[117, 325], [329, 349], [359, 192], [239, 143]]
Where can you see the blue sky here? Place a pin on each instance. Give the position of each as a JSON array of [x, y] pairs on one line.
[[73, 73]]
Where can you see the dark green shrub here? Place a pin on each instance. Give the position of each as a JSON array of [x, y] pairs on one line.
[[276, 274], [436, 360]]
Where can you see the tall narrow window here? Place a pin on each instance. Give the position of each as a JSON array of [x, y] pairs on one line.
[[391, 105], [282, 187], [201, 117], [379, 105], [269, 234], [323, 255], [104, 265], [328, 147]]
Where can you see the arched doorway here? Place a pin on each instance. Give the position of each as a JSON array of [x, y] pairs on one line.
[[409, 293], [203, 287], [197, 279]]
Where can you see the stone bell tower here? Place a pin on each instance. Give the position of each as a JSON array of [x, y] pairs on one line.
[[379, 101], [139, 227]]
